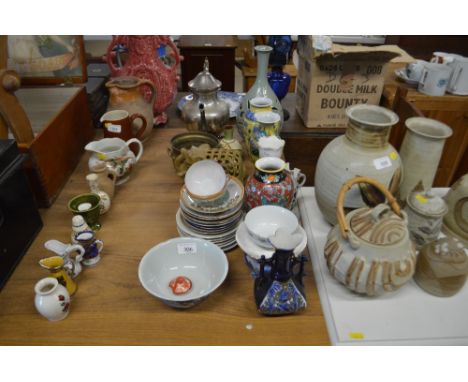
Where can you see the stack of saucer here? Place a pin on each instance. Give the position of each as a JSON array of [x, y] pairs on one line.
[[215, 219]]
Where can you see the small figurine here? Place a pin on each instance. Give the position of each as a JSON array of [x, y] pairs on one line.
[[73, 266], [78, 225], [281, 291]]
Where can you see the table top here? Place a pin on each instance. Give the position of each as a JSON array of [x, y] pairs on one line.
[[112, 308], [408, 316]]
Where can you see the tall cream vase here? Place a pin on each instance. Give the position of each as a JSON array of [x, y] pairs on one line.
[[362, 151], [420, 153]]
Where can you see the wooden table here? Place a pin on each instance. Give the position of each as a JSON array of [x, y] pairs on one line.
[[220, 51], [112, 308]]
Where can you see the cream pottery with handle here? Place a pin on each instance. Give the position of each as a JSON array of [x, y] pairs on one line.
[[115, 154], [369, 250]]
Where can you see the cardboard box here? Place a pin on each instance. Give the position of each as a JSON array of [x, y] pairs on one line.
[[328, 83]]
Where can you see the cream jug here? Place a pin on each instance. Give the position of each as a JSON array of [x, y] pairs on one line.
[[114, 153]]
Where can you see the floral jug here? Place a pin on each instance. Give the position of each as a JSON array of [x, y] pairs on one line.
[[125, 94], [115, 154], [370, 250], [147, 59], [281, 291]]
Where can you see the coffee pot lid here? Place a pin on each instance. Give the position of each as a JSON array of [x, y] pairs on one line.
[[379, 225], [426, 202], [204, 81]]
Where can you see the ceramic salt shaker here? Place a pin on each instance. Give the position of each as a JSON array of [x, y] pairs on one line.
[[425, 212], [78, 225], [52, 300], [442, 267]]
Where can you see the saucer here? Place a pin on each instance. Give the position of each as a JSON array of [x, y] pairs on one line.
[[233, 196], [252, 249], [401, 75]]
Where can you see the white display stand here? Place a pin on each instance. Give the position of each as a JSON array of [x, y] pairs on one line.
[[409, 316]]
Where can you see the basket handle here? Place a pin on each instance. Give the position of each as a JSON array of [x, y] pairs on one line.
[[340, 214]]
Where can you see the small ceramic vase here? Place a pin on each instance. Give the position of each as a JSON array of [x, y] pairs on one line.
[[362, 151], [270, 184], [456, 220], [281, 290], [52, 300], [56, 266], [88, 206], [229, 142], [255, 105], [93, 247], [115, 154], [370, 250], [442, 267], [78, 225], [271, 146], [420, 153], [425, 213], [94, 186], [72, 265]]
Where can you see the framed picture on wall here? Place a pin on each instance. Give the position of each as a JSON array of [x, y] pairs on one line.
[[47, 59]]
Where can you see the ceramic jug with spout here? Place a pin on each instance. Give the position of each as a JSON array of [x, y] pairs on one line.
[[125, 94], [114, 153]]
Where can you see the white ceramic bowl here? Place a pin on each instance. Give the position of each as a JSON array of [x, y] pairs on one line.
[[263, 221], [205, 179], [204, 263]]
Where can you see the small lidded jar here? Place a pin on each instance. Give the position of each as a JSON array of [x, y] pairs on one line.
[[425, 213]]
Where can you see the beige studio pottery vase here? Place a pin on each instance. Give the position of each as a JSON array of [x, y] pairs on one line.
[[125, 94], [456, 219], [370, 250], [420, 152], [362, 151]]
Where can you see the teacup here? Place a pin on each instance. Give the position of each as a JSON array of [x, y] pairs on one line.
[[415, 69], [119, 124], [434, 79], [88, 206]]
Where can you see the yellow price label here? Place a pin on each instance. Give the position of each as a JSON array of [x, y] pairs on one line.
[[393, 155], [421, 198], [356, 335]]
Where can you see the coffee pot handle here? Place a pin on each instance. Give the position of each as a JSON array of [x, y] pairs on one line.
[[340, 214], [140, 145]]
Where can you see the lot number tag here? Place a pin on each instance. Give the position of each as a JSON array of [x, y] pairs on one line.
[[381, 163], [186, 248]]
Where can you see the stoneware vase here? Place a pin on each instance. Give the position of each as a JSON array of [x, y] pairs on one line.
[[146, 59], [56, 266], [281, 290], [362, 151], [420, 153], [455, 221], [260, 88], [370, 250], [425, 212], [125, 93], [52, 300], [442, 267], [270, 184]]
